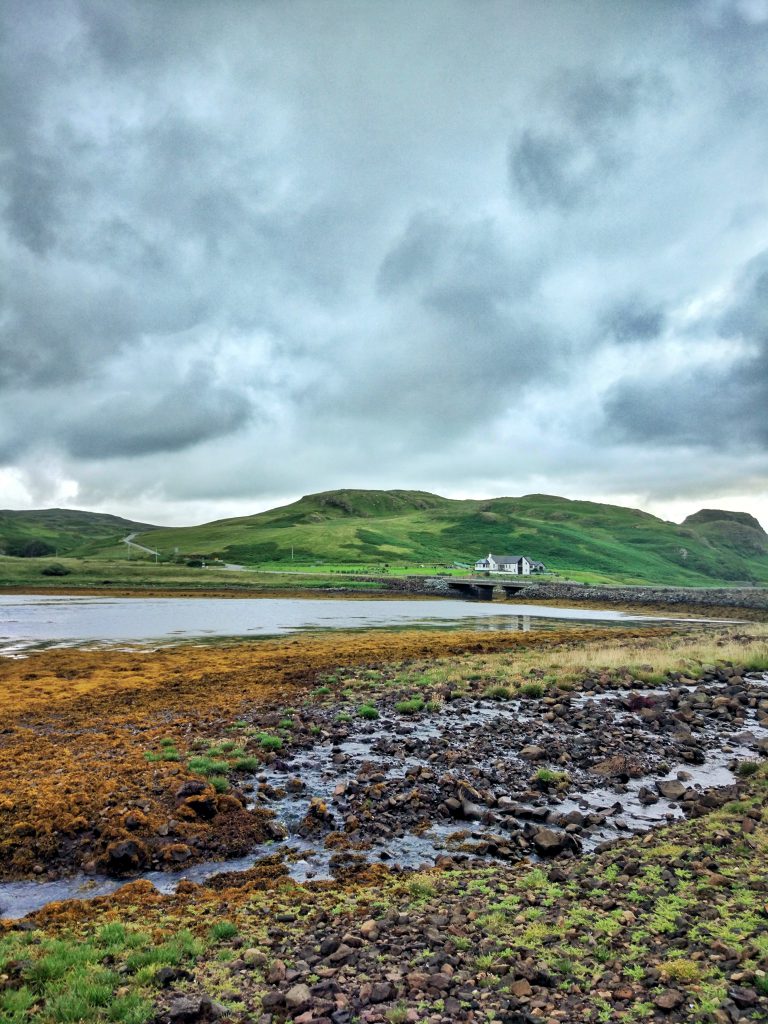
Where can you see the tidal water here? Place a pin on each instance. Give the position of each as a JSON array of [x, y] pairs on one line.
[[29, 622]]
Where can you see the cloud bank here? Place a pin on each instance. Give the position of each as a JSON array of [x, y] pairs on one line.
[[255, 250]]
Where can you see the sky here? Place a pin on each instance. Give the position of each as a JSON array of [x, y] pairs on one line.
[[254, 249]]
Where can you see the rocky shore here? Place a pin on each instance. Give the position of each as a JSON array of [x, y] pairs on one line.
[[474, 838], [674, 597]]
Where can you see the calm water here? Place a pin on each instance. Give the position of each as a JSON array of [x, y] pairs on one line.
[[33, 621]]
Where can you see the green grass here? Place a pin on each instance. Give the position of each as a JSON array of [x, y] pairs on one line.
[[532, 690], [393, 532], [71, 980], [410, 707], [269, 742], [498, 692], [207, 766], [368, 711]]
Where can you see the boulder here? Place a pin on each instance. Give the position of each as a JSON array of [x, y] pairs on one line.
[[297, 996], [671, 789], [532, 752]]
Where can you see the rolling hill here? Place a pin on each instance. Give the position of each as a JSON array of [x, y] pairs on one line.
[[65, 531], [398, 528]]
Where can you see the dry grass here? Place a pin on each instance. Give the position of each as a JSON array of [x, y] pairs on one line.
[[745, 645]]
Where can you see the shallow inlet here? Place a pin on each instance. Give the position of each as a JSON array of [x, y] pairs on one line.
[[34, 622]]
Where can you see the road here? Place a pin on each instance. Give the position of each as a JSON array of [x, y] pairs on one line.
[[140, 547]]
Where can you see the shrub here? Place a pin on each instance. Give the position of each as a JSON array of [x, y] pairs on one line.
[[205, 765], [270, 742], [343, 716], [247, 764], [29, 548], [547, 777], [681, 970], [745, 768], [220, 783], [223, 930], [410, 707], [56, 569], [532, 690], [368, 711], [497, 693]]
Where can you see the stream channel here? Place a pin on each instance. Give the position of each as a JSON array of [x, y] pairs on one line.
[[461, 781]]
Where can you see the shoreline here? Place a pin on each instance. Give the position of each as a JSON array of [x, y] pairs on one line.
[[670, 612]]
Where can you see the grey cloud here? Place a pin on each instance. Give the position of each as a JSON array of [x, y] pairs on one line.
[[748, 313], [382, 245], [634, 319], [572, 161], [723, 407], [180, 417], [414, 256]]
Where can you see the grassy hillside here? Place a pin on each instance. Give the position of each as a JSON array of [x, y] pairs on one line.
[[353, 528], [67, 531], [578, 538]]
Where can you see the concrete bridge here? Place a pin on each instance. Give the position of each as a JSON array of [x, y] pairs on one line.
[[482, 589]]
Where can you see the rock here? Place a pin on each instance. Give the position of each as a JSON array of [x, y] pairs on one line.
[[192, 787], [533, 753], [176, 853], [743, 996], [125, 856], [521, 989], [190, 1009], [369, 930], [297, 996], [203, 805], [471, 811], [549, 843], [671, 789], [669, 999], [272, 1000], [254, 957], [381, 991]]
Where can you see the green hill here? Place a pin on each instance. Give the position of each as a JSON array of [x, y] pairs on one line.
[[68, 532], [372, 528], [348, 528]]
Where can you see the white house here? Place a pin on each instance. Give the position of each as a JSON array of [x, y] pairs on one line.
[[518, 565]]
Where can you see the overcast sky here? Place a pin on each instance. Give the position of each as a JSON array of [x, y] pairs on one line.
[[252, 249]]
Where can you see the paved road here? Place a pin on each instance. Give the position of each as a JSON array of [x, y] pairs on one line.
[[129, 541]]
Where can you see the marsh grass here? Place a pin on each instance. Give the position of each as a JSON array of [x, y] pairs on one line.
[[71, 980]]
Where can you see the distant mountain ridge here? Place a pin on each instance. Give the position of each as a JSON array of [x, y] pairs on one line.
[[372, 527]]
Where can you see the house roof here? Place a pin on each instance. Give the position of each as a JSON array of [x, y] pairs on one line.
[[505, 559]]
